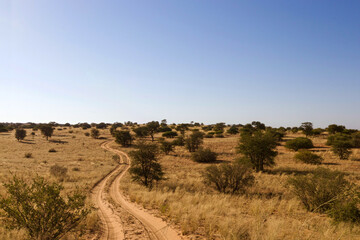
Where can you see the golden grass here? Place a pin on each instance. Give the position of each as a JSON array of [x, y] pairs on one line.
[[82, 156], [267, 211]]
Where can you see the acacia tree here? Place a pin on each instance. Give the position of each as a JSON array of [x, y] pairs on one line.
[[307, 128], [152, 128], [141, 131], [41, 210], [20, 134], [145, 167], [47, 131], [258, 148]]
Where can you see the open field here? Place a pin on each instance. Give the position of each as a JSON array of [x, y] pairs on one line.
[[268, 209], [85, 161]]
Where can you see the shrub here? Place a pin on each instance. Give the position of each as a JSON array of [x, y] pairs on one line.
[[204, 156], [306, 156], [319, 190], [208, 135], [166, 147], [233, 130], [219, 135], [342, 149], [338, 137], [87, 134], [28, 155], [193, 142], [258, 148], [164, 129], [229, 178], [307, 128], [356, 140], [145, 167], [71, 131], [20, 134], [169, 134], [40, 208], [299, 143], [152, 128], [141, 131], [76, 169], [58, 172], [95, 133], [123, 138], [179, 141], [52, 150]]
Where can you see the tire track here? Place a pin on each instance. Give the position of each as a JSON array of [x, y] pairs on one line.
[[121, 218]]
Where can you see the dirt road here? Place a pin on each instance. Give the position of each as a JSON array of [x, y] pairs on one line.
[[122, 219]]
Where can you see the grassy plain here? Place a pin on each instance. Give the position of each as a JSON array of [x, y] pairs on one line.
[[85, 161], [268, 211]]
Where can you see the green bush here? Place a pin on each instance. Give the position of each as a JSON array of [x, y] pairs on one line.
[[193, 142], [166, 147], [299, 143], [306, 156], [20, 134], [52, 150], [179, 141], [95, 133], [87, 134], [204, 156], [229, 178]]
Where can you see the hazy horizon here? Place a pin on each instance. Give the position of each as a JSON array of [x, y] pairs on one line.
[[279, 62]]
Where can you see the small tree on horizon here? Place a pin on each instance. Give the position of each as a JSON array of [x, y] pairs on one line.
[[152, 128], [47, 131], [307, 128], [194, 141], [20, 134], [123, 138]]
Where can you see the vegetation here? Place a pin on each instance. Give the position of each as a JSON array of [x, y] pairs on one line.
[[229, 178], [204, 156], [341, 144], [152, 127], [40, 209], [299, 143], [307, 128], [166, 147], [308, 157], [169, 134], [258, 148], [123, 138], [20, 134], [95, 133], [47, 131], [194, 141], [145, 167], [141, 131]]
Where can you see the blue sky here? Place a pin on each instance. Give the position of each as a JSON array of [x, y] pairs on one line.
[[279, 62]]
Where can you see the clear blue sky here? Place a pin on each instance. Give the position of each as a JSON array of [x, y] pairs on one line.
[[279, 62]]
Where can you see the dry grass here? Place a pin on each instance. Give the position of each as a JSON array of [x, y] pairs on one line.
[[82, 156], [267, 211]]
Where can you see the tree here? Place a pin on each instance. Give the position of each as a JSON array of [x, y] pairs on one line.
[[145, 167], [166, 146], [3, 128], [258, 148], [95, 133], [299, 143], [152, 128], [20, 134], [47, 131], [141, 131], [307, 128], [233, 130], [258, 125], [124, 138], [41, 210], [229, 178], [342, 149], [333, 128], [193, 142]]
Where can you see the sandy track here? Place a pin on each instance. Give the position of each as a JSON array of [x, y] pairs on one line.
[[121, 218]]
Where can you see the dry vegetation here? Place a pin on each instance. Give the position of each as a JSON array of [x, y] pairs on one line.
[[82, 156], [268, 211]]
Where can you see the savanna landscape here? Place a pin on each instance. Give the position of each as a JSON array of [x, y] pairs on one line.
[[186, 190]]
